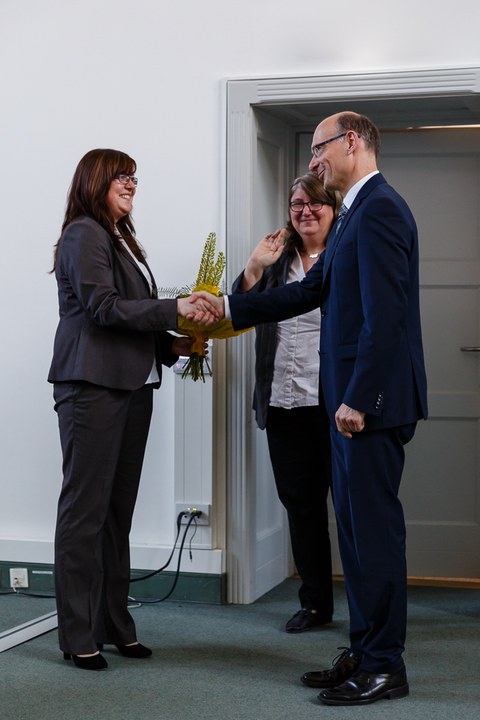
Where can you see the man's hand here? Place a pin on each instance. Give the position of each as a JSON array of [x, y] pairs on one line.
[[349, 421], [207, 308], [201, 307]]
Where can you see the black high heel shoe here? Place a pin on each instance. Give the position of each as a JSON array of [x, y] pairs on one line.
[[91, 662], [131, 651]]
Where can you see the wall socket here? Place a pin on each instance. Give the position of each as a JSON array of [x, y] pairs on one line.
[[19, 577], [204, 519]]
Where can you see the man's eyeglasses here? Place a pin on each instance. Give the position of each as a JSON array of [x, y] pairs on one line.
[[313, 205], [125, 179], [318, 149]]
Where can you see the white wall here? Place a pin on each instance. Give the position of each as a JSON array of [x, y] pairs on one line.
[[147, 77]]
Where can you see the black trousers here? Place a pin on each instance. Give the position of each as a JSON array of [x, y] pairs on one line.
[[299, 445], [103, 434]]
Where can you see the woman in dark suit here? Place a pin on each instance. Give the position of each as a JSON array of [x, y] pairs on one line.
[[110, 344], [286, 395]]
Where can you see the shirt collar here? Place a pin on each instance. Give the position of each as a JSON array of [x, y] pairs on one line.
[[354, 190]]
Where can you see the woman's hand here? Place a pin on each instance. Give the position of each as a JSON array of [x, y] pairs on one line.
[[200, 308], [183, 346], [265, 254]]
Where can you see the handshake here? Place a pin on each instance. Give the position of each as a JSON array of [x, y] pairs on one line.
[[202, 308]]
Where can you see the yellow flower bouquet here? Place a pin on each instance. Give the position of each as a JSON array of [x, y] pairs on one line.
[[208, 279]]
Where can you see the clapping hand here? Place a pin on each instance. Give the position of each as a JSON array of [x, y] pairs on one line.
[[266, 253], [269, 249]]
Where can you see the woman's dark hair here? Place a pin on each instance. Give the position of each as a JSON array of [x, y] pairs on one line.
[[313, 187], [88, 192]]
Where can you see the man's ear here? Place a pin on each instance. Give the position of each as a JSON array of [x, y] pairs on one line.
[[352, 139]]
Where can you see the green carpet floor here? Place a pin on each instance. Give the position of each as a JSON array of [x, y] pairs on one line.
[[236, 662]]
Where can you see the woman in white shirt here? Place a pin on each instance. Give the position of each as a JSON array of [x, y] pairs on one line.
[[286, 396]]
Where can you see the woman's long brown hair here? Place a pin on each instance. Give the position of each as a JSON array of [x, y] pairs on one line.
[[88, 194]]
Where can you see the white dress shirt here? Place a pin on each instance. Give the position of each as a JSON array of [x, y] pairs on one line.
[[297, 361]]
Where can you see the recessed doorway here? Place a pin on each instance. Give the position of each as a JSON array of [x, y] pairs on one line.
[[269, 126]]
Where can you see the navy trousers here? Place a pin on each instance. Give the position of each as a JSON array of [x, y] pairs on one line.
[[367, 470]]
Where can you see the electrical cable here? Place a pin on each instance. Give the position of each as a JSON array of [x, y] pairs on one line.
[[155, 572], [34, 594], [190, 542], [192, 519]]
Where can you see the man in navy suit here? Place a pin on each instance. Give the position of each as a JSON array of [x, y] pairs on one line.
[[374, 384]]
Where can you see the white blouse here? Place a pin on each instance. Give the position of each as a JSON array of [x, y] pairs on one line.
[[154, 376], [297, 360]]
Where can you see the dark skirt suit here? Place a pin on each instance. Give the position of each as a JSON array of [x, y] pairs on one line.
[[111, 330], [302, 486]]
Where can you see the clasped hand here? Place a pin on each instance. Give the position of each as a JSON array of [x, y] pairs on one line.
[[202, 307], [206, 309]]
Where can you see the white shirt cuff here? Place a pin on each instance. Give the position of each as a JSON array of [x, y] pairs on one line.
[[226, 305]]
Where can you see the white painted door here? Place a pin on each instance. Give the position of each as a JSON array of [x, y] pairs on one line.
[[258, 549], [272, 558], [438, 173]]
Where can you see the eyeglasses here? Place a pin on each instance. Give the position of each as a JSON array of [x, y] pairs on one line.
[[318, 149], [298, 207], [125, 179]]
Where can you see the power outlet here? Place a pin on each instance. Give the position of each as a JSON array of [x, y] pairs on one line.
[[188, 508], [18, 577]]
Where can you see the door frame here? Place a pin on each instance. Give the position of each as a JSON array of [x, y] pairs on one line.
[[427, 96]]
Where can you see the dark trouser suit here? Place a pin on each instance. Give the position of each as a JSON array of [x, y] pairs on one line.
[[299, 445], [103, 434], [371, 531]]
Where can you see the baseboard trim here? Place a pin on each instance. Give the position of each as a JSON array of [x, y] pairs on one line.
[[190, 588], [473, 583], [468, 583]]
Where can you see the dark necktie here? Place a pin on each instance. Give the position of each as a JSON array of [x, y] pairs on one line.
[[343, 211]]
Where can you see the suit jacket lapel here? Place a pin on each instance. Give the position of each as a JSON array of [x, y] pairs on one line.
[[334, 237], [133, 262]]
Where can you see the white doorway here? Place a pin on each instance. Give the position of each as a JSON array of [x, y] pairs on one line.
[[269, 129]]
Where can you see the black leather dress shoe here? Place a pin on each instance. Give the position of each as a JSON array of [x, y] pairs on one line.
[[367, 687], [343, 667], [306, 620]]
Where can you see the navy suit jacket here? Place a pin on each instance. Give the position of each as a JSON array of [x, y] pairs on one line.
[[366, 282], [110, 328]]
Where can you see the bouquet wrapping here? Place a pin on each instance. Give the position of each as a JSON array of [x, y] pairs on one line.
[[209, 277]]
